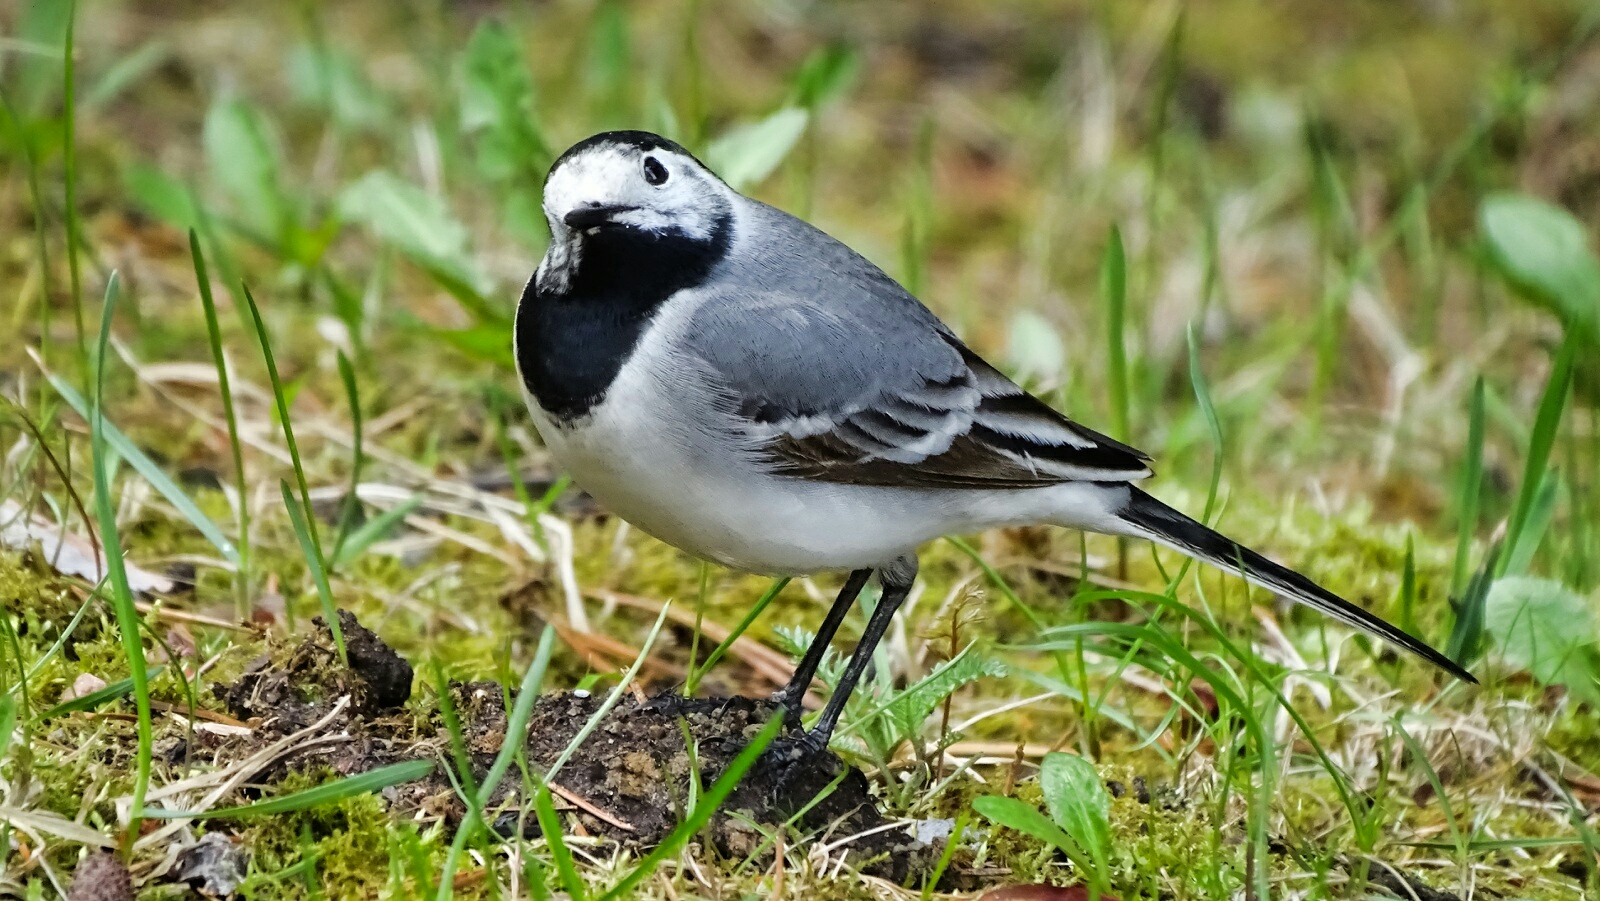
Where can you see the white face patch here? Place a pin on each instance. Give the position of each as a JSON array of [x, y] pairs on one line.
[[688, 201]]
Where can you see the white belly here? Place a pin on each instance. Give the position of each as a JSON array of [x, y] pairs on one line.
[[651, 464], [645, 468]]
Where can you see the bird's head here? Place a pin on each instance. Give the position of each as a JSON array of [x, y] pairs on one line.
[[633, 206], [637, 181]]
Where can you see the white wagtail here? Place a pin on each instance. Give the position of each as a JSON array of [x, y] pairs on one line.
[[741, 385]]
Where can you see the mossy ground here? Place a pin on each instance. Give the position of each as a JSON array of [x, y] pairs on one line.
[[1261, 168]]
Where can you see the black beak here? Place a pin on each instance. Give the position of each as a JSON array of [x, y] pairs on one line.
[[593, 216]]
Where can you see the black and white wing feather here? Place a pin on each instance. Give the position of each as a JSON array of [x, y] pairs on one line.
[[920, 409], [974, 429]]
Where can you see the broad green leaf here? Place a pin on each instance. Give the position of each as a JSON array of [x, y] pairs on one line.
[[243, 160], [497, 106], [1078, 802], [748, 153], [490, 343], [1547, 629], [160, 195], [1545, 254], [1025, 818], [417, 223], [825, 75], [316, 796], [332, 80]]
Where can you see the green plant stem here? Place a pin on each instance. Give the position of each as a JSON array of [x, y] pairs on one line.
[[70, 187], [122, 601], [510, 747], [767, 597], [208, 304], [314, 551]]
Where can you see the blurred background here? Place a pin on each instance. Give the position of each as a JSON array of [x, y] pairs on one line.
[[1331, 264], [1297, 180]]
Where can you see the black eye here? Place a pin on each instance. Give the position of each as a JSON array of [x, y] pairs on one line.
[[654, 172]]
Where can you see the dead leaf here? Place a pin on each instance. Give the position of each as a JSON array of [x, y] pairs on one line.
[[67, 553]]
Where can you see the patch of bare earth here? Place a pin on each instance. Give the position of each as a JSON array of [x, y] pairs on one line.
[[630, 781]]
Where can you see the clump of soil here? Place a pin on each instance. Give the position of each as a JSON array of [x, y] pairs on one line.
[[101, 877], [291, 689], [294, 692], [629, 781]]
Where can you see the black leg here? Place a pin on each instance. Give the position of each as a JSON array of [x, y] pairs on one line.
[[793, 693], [896, 579]]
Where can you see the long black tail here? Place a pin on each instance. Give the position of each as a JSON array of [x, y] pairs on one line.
[[1155, 521]]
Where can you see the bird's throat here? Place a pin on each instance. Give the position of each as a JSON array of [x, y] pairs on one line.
[[581, 317]]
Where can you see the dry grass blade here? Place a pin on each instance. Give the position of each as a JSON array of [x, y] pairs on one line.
[[225, 780]]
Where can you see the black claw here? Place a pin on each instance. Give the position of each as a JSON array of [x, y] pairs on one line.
[[790, 751], [668, 703]]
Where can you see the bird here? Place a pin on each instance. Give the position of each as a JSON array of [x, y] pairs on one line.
[[741, 385]]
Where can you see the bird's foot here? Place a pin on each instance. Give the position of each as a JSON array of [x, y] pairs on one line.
[[791, 751], [793, 708]]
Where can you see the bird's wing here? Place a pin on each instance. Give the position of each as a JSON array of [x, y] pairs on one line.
[[871, 389]]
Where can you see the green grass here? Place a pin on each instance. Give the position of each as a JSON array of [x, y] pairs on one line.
[[1286, 264]]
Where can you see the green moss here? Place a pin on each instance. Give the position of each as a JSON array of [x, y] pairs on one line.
[[349, 840]]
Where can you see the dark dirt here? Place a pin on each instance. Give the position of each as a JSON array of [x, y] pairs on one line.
[[101, 877], [298, 691], [635, 769], [1402, 884]]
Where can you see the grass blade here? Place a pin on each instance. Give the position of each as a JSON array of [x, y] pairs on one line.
[[316, 796], [1545, 425], [612, 698], [309, 523], [122, 602], [510, 747], [93, 699], [302, 531], [1202, 398], [1466, 636], [1114, 292], [766, 598], [352, 504], [372, 531], [1543, 508], [208, 303], [1408, 588], [144, 466], [550, 826], [1470, 490], [69, 165]]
